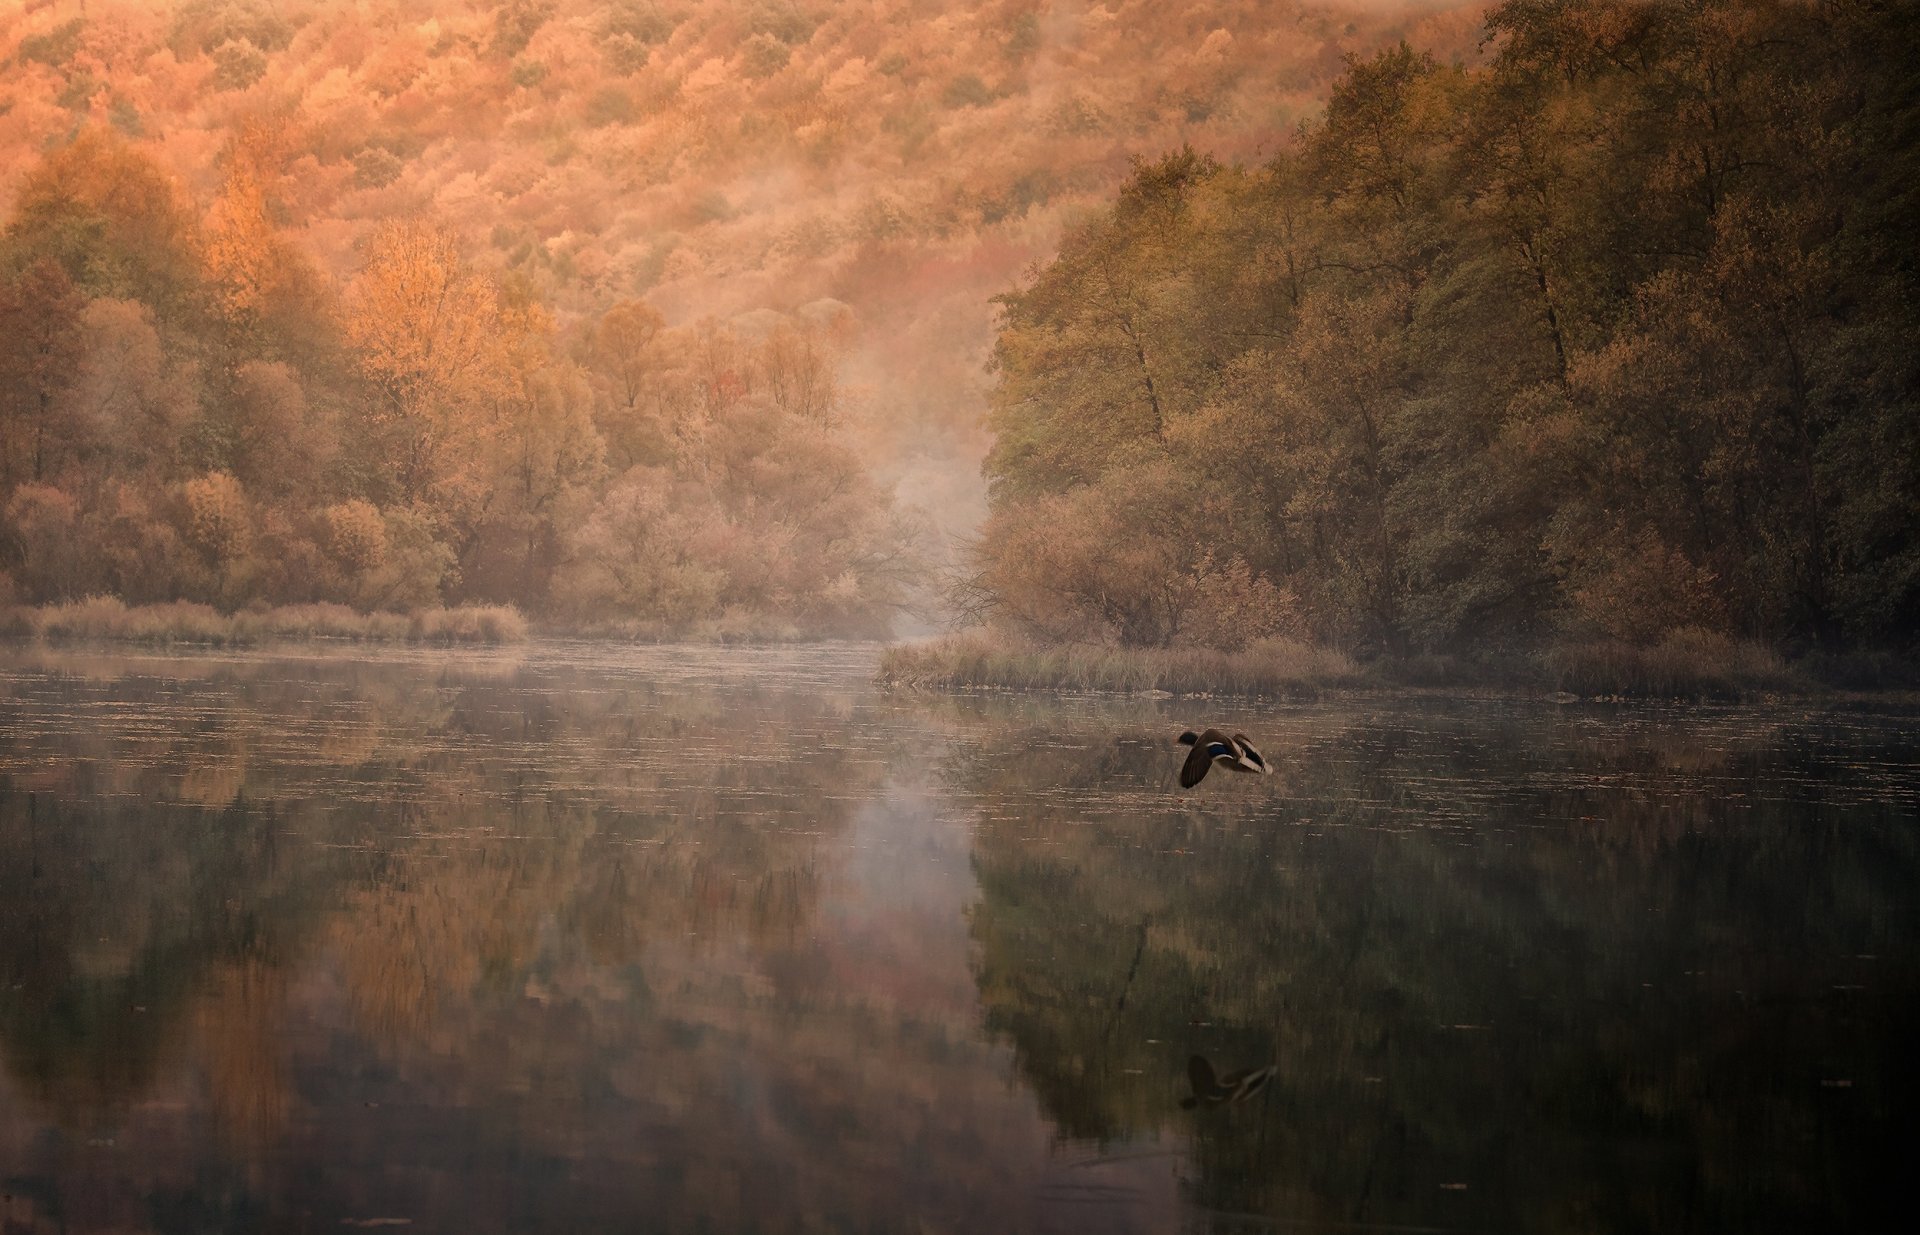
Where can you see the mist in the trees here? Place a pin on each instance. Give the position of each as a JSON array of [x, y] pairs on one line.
[[598, 600], [649, 317]]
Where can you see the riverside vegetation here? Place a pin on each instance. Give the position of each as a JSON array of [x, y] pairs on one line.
[[1595, 357], [633, 315], [1580, 352], [107, 619], [1688, 664]]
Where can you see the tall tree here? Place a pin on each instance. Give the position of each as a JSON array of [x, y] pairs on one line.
[[40, 348], [433, 343]]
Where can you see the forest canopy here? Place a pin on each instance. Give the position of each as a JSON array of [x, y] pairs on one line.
[[1612, 336], [635, 313], [1594, 318], [190, 411]]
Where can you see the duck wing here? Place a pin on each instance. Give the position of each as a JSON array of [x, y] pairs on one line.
[[1195, 768], [1250, 757], [1212, 745]]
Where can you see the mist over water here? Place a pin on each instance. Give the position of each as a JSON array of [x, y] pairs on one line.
[[1255, 346], [570, 938]]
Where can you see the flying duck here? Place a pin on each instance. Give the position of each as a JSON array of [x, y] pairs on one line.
[[1214, 747], [1221, 1090]]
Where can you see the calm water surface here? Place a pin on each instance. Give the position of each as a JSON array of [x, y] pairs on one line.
[[573, 939]]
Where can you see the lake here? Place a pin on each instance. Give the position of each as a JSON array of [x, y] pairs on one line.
[[572, 938]]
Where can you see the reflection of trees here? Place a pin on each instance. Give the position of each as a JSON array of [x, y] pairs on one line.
[[240, 1020], [541, 949], [1591, 966], [454, 920], [171, 849], [116, 917]]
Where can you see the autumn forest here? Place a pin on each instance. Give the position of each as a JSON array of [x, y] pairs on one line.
[[941, 616], [1397, 329], [1612, 336]]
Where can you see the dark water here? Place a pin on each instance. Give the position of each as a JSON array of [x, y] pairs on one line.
[[574, 940]]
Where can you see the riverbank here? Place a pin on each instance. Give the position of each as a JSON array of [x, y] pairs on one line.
[[104, 619], [1690, 666], [976, 660]]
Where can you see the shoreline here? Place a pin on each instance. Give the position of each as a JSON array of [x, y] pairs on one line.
[[105, 620], [1690, 669], [109, 622]]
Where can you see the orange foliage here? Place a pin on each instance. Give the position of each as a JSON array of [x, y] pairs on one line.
[[583, 254]]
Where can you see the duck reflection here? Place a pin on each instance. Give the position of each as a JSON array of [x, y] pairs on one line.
[[1210, 1089], [1484, 946], [537, 949]]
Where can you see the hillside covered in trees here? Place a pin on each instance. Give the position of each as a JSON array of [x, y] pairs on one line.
[[1610, 337], [632, 314]]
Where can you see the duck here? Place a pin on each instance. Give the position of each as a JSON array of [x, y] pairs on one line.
[[1222, 1090], [1230, 751]]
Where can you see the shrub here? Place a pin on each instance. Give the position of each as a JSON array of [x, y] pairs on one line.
[[45, 525], [355, 536], [1689, 663], [1122, 561], [217, 519], [468, 624], [312, 621], [108, 619], [1635, 588]]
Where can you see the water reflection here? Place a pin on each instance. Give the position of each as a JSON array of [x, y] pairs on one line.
[[573, 939], [1516, 969]]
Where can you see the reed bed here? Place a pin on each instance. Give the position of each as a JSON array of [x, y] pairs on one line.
[[468, 624], [106, 619], [731, 627], [1687, 664], [1274, 668]]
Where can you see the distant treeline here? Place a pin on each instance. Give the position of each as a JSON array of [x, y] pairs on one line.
[[1613, 337], [190, 411]]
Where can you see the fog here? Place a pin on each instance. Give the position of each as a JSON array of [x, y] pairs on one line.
[[726, 164]]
